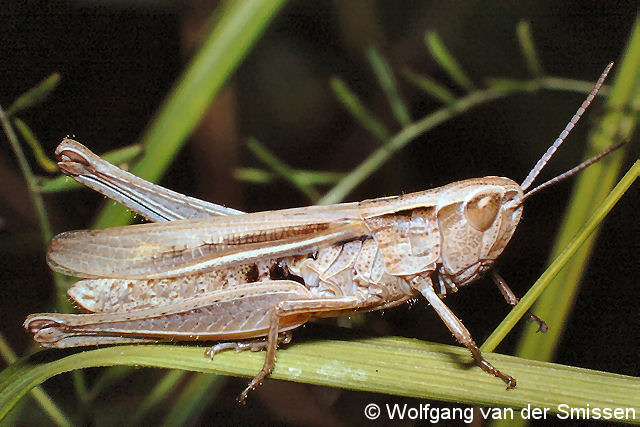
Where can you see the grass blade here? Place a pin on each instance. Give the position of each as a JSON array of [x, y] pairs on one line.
[[281, 168], [39, 395], [428, 371], [354, 106], [62, 302], [193, 399], [41, 158], [35, 95], [157, 395], [401, 139], [591, 188], [528, 48], [389, 85], [430, 86], [29, 176], [446, 61], [474, 99], [261, 176], [563, 258], [239, 26]]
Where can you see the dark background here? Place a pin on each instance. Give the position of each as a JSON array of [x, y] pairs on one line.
[[119, 60]]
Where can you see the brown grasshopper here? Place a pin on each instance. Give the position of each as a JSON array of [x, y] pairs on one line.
[[210, 273]]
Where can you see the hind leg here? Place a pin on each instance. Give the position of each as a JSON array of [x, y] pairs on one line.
[[291, 308]]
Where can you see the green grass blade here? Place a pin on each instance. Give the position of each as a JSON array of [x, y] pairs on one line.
[[474, 99], [319, 177], [389, 85], [39, 395], [254, 175], [578, 86], [281, 168], [447, 62], [35, 95], [62, 302], [29, 177], [528, 48], [261, 176], [563, 258], [28, 135], [549, 83], [193, 399], [430, 86], [499, 83], [239, 26], [163, 388], [106, 379], [591, 188], [354, 106], [401, 139], [427, 370]]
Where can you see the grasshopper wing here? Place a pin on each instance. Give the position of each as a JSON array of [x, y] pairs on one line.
[[177, 248], [155, 203]]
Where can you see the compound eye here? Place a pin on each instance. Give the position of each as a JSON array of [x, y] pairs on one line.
[[482, 210]]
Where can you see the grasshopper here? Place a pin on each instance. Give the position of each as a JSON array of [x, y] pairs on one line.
[[205, 272]]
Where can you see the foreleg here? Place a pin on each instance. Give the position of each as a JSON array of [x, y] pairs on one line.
[[512, 300], [425, 286]]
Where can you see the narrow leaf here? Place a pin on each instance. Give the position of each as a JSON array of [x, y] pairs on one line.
[[446, 61], [37, 393], [161, 390], [396, 366], [193, 399], [354, 106], [35, 95], [528, 48], [591, 187], [430, 86], [261, 176], [281, 168], [254, 175], [389, 85], [563, 258], [238, 27], [515, 84], [41, 158]]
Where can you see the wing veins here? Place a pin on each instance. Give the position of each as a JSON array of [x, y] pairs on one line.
[[159, 250]]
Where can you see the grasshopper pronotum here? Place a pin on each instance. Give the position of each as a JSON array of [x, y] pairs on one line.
[[210, 273]]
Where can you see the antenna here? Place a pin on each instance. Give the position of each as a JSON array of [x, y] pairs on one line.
[[572, 171], [563, 135]]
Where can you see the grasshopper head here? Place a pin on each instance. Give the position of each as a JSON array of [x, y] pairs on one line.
[[488, 210], [476, 219], [495, 210]]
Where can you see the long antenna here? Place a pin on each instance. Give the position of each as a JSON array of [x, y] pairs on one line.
[[572, 171], [563, 135]]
